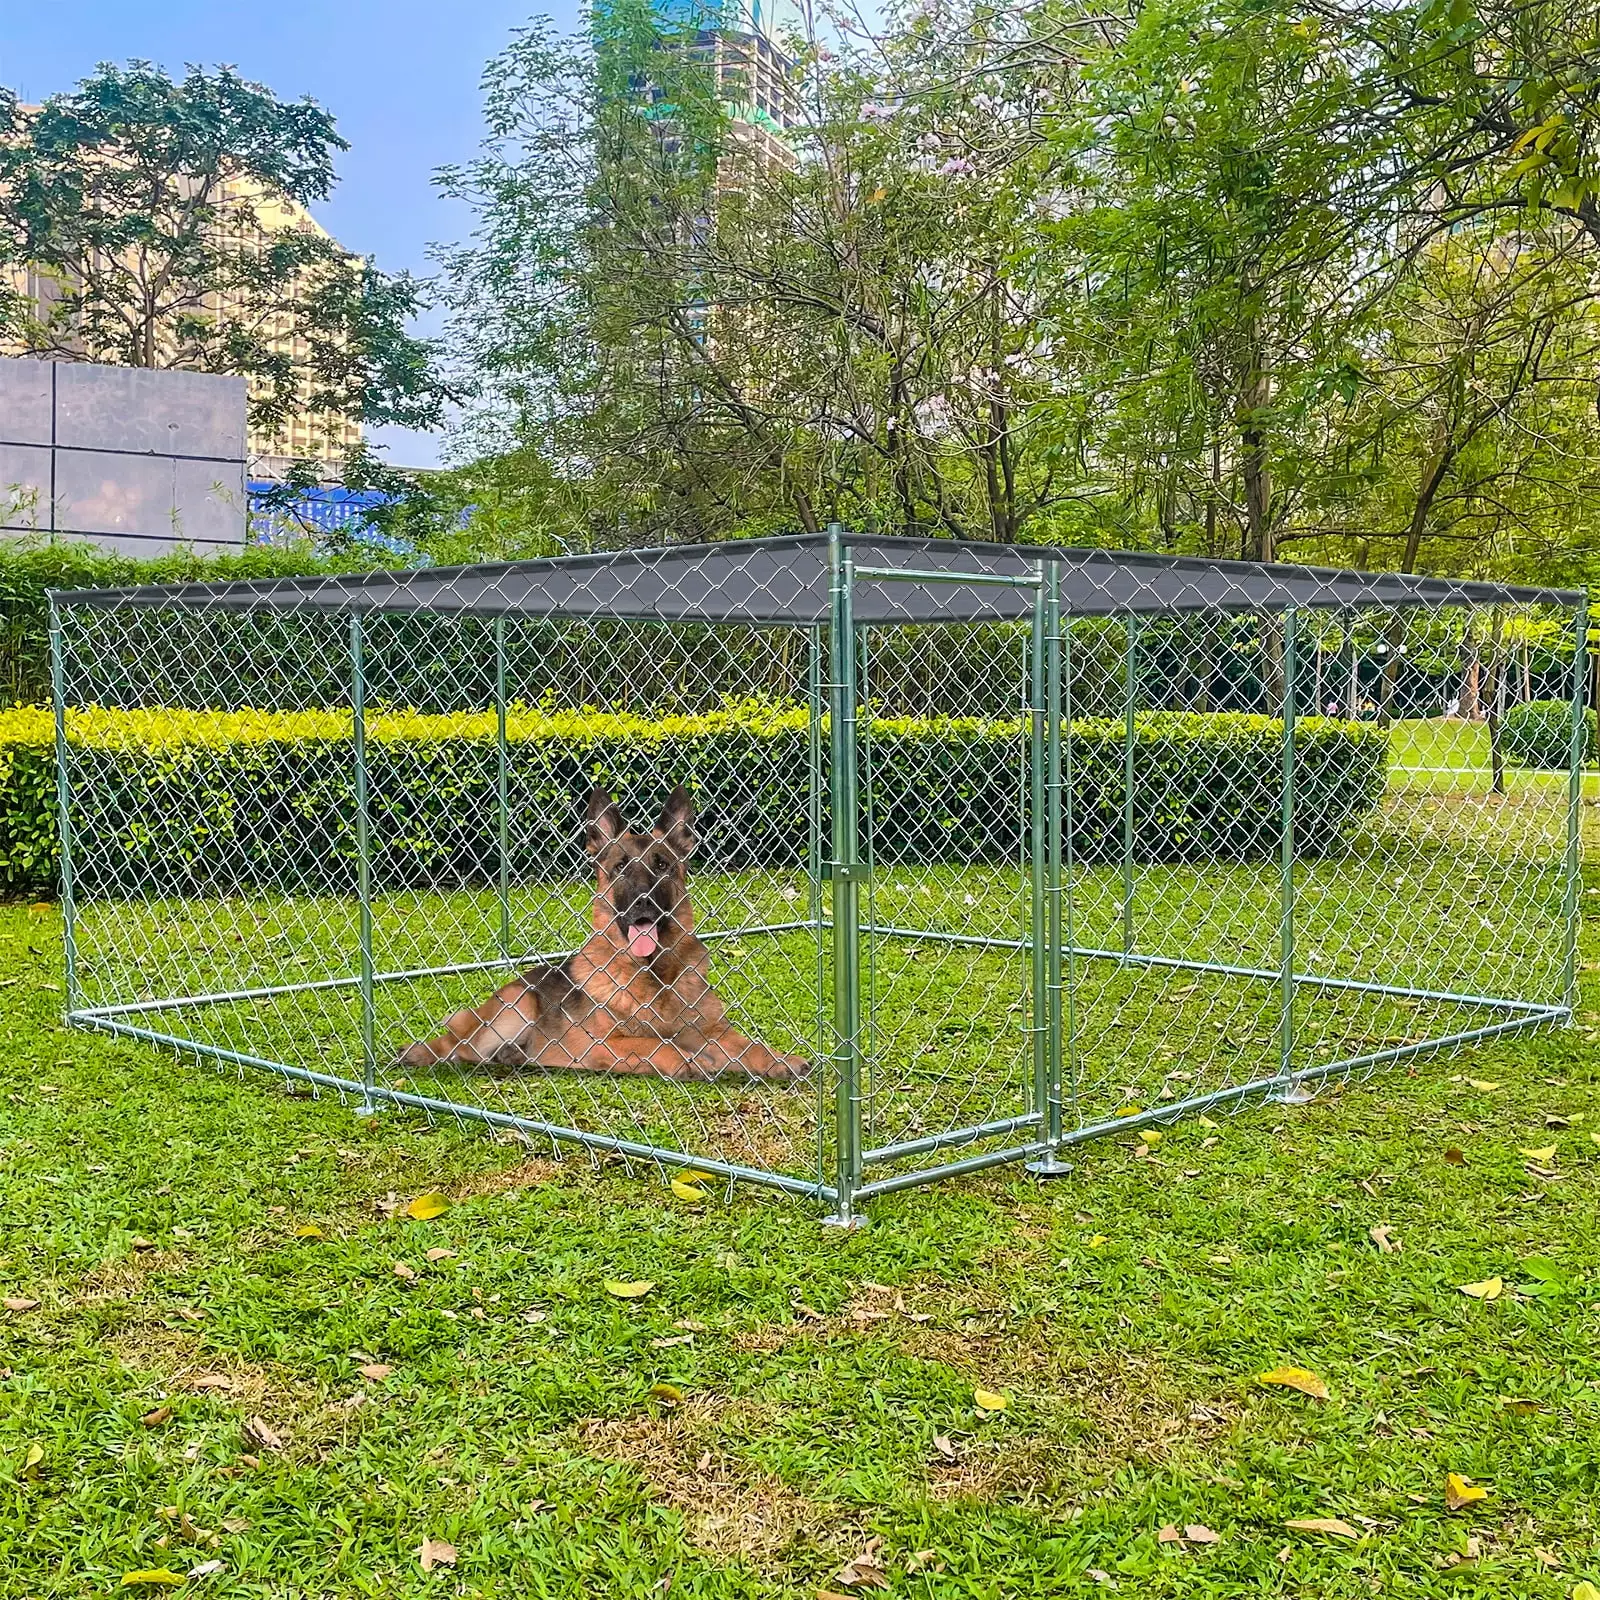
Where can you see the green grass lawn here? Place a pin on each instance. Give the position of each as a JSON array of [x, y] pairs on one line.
[[224, 1372], [827, 1380]]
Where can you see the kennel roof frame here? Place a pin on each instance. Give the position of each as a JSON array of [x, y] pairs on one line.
[[785, 581]]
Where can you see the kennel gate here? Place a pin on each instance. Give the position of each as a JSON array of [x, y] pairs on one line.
[[984, 824]]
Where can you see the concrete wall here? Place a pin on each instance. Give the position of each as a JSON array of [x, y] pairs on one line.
[[134, 460]]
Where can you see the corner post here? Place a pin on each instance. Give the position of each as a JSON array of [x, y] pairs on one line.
[[1038, 845], [363, 819], [1130, 700], [1057, 666], [1289, 1090], [845, 875], [69, 909], [502, 788], [1578, 750]]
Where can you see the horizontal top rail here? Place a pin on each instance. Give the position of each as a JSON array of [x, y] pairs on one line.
[[1003, 580]]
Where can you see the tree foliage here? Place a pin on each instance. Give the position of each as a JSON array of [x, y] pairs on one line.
[[1283, 279], [162, 223]]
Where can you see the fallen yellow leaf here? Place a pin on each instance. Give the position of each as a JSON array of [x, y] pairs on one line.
[[1596, 1138], [988, 1400], [685, 1190], [436, 1553], [1519, 1404], [34, 1457], [635, 1290], [1481, 1086], [1460, 1492], [308, 1230], [1323, 1525], [1206, 1122], [162, 1575], [1585, 1591], [1098, 1240], [1544, 1155], [1150, 1136], [1301, 1378], [1489, 1289], [668, 1393], [428, 1206]]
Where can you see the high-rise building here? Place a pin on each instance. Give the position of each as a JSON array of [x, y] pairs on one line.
[[749, 46]]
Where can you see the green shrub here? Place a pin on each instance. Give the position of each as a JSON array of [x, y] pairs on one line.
[[1539, 734], [176, 802], [30, 568]]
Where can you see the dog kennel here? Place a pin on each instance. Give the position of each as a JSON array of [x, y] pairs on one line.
[[1015, 847]]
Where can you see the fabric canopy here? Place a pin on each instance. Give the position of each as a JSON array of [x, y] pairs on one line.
[[786, 580]]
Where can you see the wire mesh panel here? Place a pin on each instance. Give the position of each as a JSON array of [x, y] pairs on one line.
[[839, 864]]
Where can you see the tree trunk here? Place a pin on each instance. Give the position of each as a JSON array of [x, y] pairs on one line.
[[1257, 392]]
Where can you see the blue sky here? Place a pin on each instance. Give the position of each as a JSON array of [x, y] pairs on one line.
[[401, 76]]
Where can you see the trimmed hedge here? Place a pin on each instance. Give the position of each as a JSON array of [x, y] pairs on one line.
[[1539, 734], [183, 802]]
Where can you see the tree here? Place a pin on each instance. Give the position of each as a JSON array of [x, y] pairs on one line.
[[164, 225], [717, 340]]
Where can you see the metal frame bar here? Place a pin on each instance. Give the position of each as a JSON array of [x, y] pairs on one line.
[[845, 871], [1130, 695], [358, 738], [1286, 855], [498, 1119], [1038, 850], [1060, 928], [403, 975], [993, 580], [1060, 1012], [1275, 974], [502, 797], [1572, 861], [69, 910]]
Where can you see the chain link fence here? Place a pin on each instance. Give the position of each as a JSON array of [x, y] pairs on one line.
[[979, 852]]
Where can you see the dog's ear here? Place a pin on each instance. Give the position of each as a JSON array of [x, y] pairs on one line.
[[676, 826], [604, 824]]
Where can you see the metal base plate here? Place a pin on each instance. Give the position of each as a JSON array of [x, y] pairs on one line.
[[850, 1224], [1049, 1166], [1292, 1094]]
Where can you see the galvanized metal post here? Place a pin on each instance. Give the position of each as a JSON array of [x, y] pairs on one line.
[[1291, 1091], [1130, 697], [363, 819], [1577, 753], [845, 875], [502, 787], [1038, 845], [69, 909], [1061, 1012], [815, 856]]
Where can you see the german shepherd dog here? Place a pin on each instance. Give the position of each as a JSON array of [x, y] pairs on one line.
[[636, 997]]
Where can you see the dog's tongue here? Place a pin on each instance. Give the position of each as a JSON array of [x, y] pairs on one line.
[[641, 941]]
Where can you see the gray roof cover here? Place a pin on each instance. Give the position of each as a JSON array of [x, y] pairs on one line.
[[785, 580]]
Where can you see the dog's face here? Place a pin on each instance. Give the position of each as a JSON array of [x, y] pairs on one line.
[[643, 876]]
